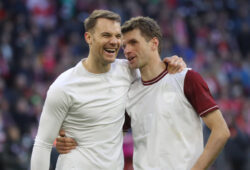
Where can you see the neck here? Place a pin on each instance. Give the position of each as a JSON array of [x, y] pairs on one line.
[[95, 66], [152, 69]]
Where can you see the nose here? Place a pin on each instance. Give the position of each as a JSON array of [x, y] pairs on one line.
[[126, 49], [114, 41]]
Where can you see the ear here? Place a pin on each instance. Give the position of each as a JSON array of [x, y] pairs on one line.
[[87, 36], [155, 43]]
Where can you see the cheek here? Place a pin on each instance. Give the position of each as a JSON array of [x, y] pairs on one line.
[[145, 50], [98, 41], [98, 45], [119, 42], [135, 49]]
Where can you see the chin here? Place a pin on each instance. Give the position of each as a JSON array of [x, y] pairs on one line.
[[110, 60], [132, 66]]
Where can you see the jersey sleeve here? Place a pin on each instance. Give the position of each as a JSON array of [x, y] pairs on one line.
[[198, 93], [54, 111]]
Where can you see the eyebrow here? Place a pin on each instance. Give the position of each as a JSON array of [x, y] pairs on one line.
[[132, 40], [110, 33], [102, 33]]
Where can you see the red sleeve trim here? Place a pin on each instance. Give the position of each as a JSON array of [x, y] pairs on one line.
[[156, 79], [208, 110], [198, 93]]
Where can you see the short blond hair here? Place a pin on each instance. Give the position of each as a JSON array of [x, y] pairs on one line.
[[90, 22]]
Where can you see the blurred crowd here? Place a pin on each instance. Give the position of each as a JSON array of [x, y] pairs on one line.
[[39, 39]]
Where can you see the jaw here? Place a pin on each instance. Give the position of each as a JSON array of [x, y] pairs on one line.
[[133, 65], [109, 56], [132, 62]]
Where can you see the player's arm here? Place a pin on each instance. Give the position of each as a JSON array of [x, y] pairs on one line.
[[65, 144], [175, 64], [54, 111], [216, 141], [198, 94]]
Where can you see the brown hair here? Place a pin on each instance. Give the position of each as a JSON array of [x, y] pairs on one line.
[[147, 26], [90, 22]]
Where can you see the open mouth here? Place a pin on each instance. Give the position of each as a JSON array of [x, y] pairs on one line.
[[110, 50], [130, 58]]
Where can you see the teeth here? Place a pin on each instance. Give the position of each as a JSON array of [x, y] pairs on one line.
[[110, 50]]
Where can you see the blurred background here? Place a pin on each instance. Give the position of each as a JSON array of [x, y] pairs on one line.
[[39, 39]]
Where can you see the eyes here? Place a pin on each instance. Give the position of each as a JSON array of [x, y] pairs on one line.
[[131, 42], [108, 35]]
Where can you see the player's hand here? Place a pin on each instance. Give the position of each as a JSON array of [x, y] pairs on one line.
[[175, 64], [64, 144]]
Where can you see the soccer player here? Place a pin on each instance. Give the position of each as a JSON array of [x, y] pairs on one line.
[[88, 102], [166, 110]]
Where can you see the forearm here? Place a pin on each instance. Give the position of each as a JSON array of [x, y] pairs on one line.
[[46, 135], [40, 159], [215, 144], [216, 141]]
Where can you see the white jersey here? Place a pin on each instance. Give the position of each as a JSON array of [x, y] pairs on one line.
[[90, 108], [165, 119]]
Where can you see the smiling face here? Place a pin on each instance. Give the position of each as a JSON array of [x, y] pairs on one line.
[[136, 48], [104, 40]]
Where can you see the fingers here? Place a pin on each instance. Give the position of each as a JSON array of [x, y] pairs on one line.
[[62, 133], [64, 150], [166, 60], [175, 64], [174, 67], [183, 65], [65, 141], [179, 65], [171, 60], [65, 145]]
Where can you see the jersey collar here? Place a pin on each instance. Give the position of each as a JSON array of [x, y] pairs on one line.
[[156, 79]]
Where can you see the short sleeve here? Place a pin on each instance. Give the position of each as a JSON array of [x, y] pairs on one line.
[[198, 94]]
